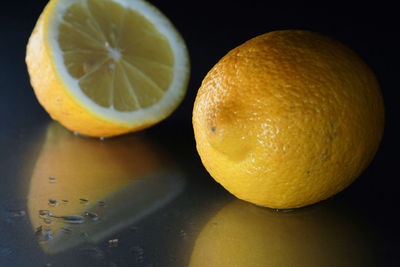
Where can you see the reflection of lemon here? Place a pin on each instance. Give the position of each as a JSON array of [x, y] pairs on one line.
[[242, 234], [288, 118], [87, 171], [106, 67]]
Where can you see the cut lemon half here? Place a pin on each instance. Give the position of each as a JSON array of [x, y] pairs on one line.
[[106, 67]]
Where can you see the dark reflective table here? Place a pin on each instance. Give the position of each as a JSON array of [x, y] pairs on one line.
[[144, 199]]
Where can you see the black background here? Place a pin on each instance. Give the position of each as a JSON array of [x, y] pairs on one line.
[[211, 29]]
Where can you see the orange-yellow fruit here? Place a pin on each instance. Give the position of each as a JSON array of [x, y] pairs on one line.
[[106, 67], [288, 118]]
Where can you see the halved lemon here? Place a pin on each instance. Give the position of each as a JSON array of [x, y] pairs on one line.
[[107, 67]]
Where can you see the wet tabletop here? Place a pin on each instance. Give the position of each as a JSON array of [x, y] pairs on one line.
[[144, 199]]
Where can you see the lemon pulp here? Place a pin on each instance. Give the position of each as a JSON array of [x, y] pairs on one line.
[[118, 57]]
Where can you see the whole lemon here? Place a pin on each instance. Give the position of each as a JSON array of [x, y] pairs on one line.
[[288, 118]]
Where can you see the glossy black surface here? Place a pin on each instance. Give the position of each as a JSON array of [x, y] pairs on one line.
[[358, 227]]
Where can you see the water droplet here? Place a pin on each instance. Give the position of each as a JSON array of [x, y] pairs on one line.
[[106, 44], [113, 243], [53, 202], [71, 219], [52, 179], [39, 230], [92, 216], [67, 230], [84, 200], [45, 235], [44, 213]]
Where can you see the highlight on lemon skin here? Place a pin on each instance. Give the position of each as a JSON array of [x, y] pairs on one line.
[[241, 234], [107, 67], [84, 190], [288, 118]]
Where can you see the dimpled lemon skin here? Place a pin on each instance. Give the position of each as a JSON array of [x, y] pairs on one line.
[[288, 118]]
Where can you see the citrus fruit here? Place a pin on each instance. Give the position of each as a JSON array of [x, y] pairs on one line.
[[106, 67], [288, 118], [87, 186], [241, 234]]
